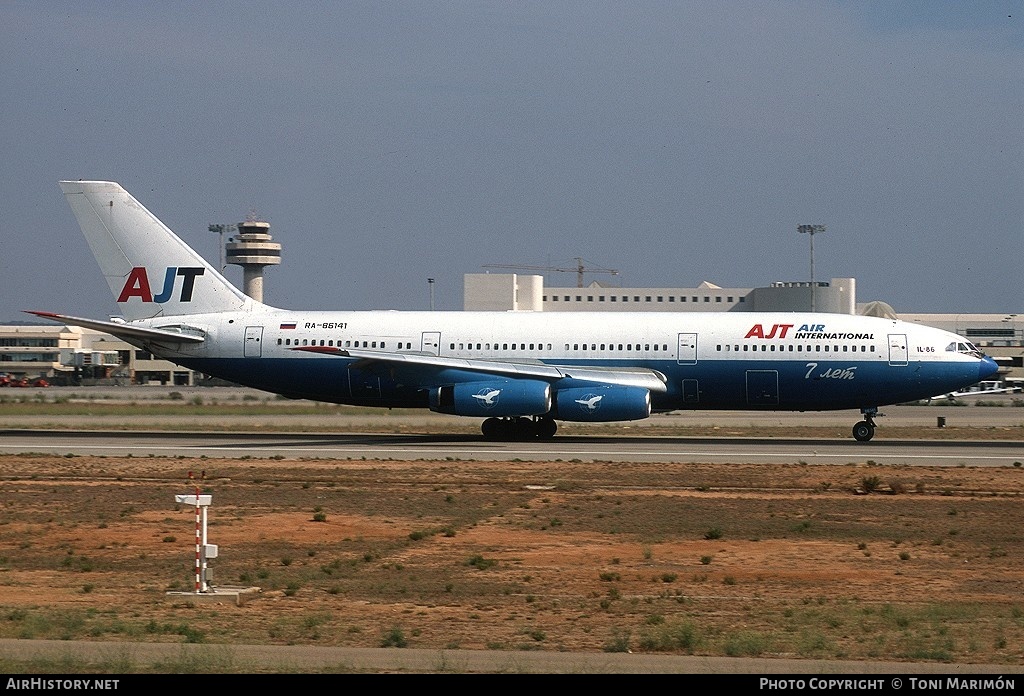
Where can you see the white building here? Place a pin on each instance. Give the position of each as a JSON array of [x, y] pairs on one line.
[[73, 355]]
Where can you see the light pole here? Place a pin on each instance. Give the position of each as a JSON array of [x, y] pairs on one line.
[[221, 229], [810, 231], [430, 284]]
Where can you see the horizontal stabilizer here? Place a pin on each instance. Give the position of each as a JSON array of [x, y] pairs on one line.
[[125, 331]]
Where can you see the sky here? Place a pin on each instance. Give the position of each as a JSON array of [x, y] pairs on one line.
[[391, 142]]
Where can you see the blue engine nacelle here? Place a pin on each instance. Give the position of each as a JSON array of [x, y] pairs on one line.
[[499, 397], [602, 404]]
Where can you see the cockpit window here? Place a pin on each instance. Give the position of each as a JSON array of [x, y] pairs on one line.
[[965, 348]]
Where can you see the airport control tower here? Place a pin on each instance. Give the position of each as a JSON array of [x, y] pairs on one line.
[[252, 249]]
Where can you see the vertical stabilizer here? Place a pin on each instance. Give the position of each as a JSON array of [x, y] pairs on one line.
[[149, 269]]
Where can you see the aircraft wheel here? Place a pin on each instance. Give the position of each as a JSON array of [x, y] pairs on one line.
[[522, 428], [491, 429], [546, 428], [863, 431]]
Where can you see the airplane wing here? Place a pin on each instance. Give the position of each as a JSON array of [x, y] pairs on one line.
[[980, 392], [125, 331], [631, 377]]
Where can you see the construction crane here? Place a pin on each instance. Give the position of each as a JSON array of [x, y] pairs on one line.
[[579, 270]]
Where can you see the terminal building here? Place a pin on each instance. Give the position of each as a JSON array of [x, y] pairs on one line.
[[71, 355]]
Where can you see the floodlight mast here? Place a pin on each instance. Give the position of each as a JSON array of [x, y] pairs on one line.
[[810, 231]]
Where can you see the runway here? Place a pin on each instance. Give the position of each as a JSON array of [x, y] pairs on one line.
[[470, 447]]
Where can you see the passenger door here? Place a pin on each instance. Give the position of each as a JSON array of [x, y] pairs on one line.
[[687, 354], [431, 342], [253, 342], [898, 351]]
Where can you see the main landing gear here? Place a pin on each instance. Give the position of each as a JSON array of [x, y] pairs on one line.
[[865, 430], [520, 428]]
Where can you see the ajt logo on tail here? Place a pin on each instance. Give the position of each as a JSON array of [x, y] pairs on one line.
[[137, 284]]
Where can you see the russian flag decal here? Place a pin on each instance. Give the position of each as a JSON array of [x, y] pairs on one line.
[[288, 326]]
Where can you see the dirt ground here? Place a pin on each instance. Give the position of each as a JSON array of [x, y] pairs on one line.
[[856, 562]]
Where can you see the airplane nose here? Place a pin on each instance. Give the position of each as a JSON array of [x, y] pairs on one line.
[[987, 368]]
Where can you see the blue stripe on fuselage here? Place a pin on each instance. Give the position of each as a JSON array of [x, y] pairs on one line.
[[719, 384]]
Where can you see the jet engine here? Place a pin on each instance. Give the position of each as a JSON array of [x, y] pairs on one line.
[[602, 404], [499, 398]]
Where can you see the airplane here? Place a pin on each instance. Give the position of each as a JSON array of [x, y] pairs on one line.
[[177, 306], [981, 389]]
